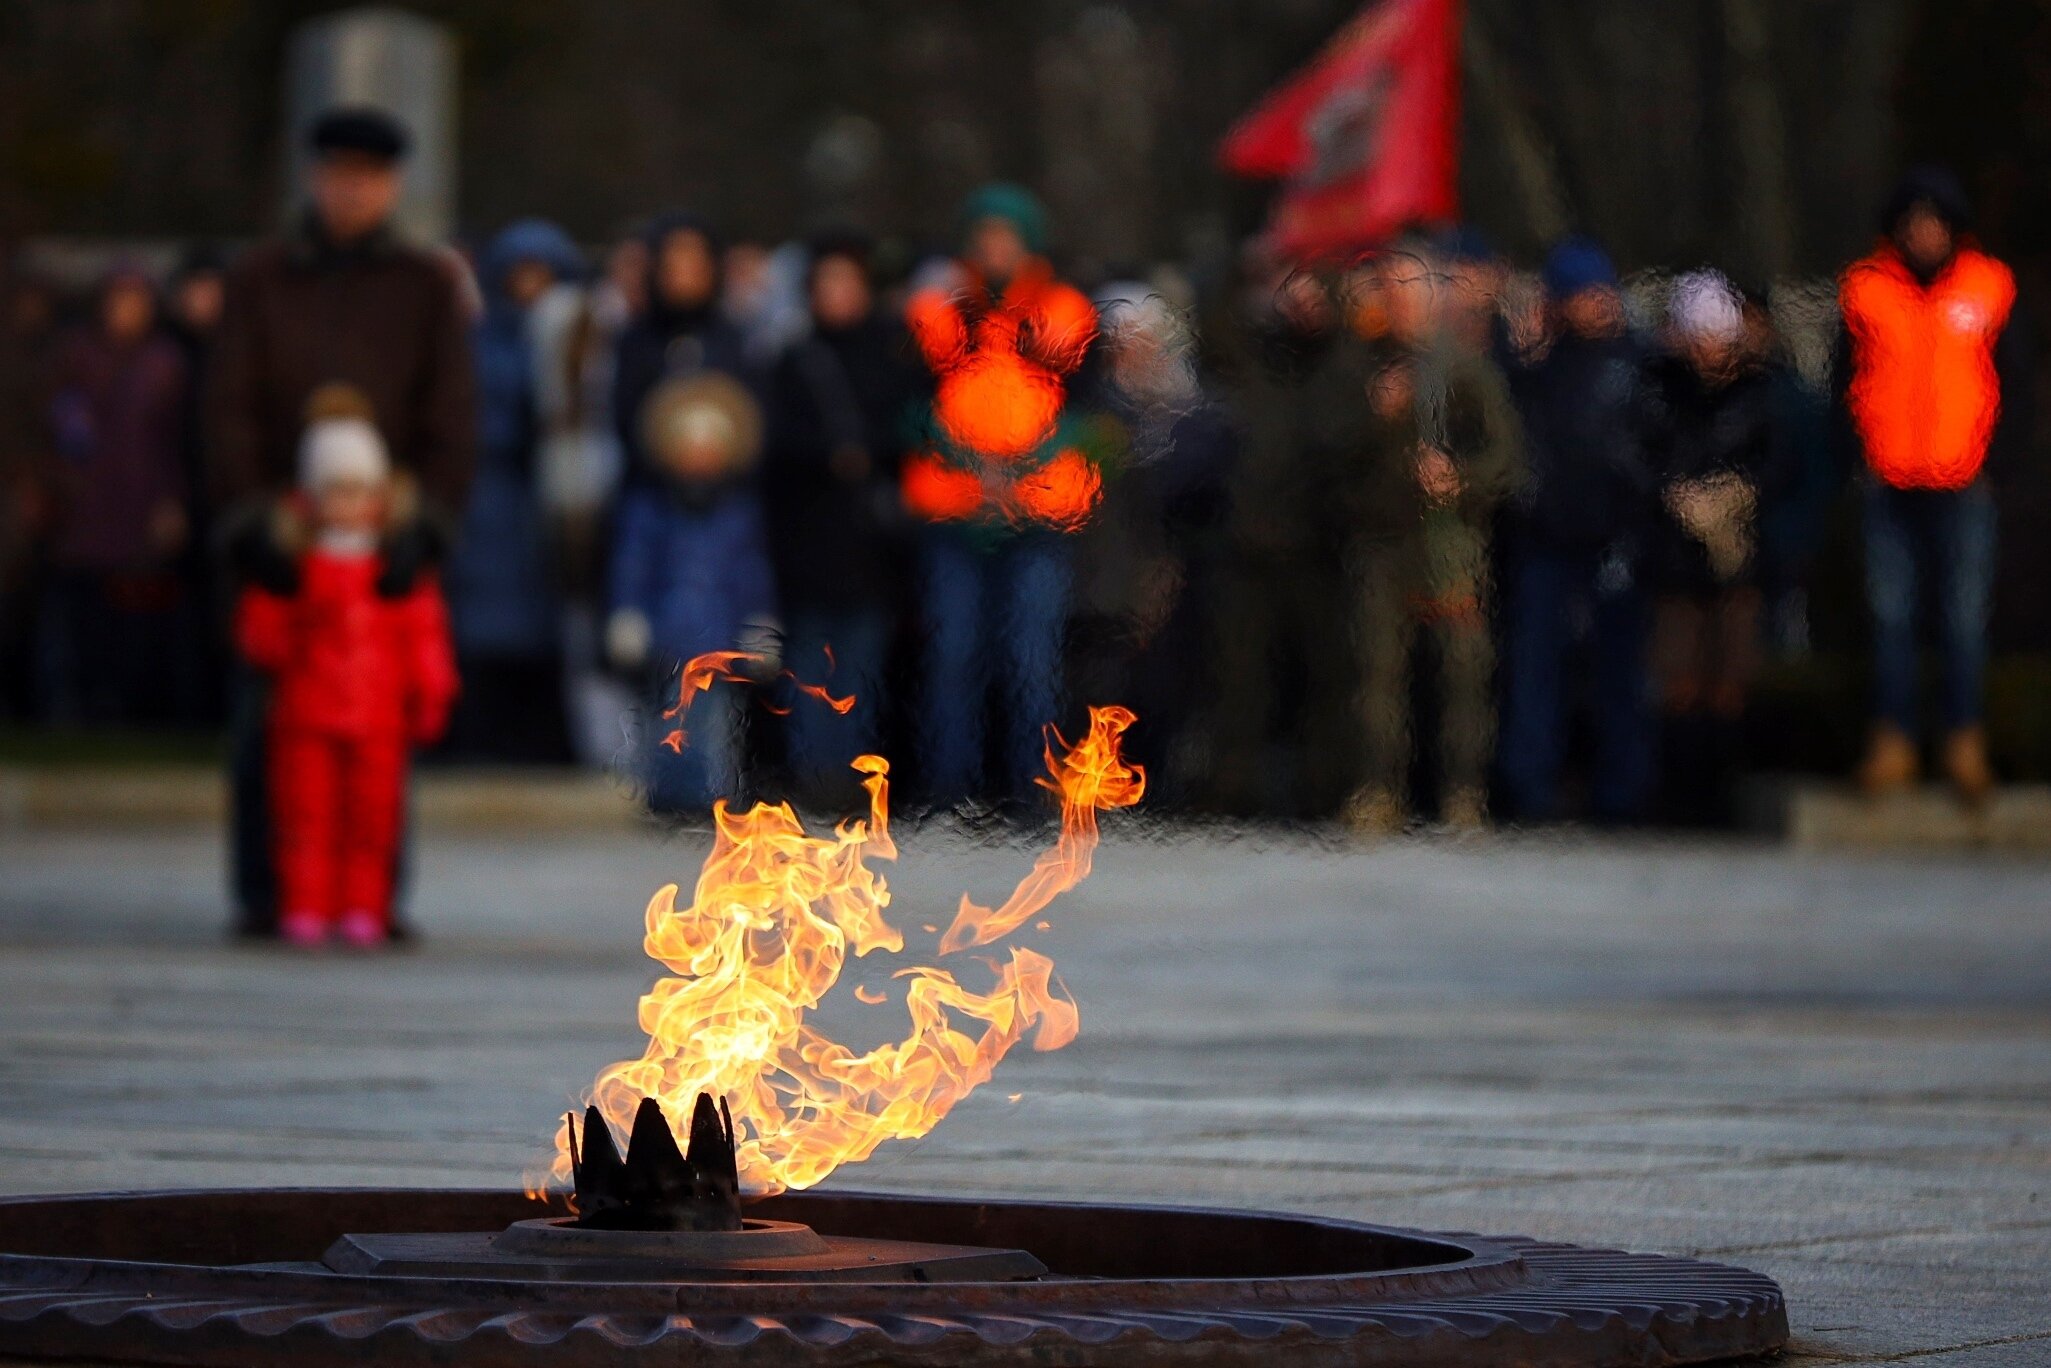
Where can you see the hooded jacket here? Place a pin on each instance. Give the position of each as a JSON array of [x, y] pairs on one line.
[[498, 582], [667, 342], [117, 431]]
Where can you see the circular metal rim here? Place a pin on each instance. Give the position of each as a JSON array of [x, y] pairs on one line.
[[1471, 1265], [1513, 1301]]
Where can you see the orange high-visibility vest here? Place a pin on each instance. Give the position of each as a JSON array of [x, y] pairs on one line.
[[1001, 367], [1923, 395]]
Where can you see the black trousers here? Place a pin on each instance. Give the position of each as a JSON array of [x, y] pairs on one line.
[[252, 875]]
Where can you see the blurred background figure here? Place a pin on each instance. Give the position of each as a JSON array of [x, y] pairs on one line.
[[576, 331], [337, 299], [193, 302], [1474, 281], [113, 625], [501, 582], [1575, 542], [1149, 562], [762, 293], [25, 320], [1282, 591], [1001, 483], [1715, 460], [1793, 525], [690, 569], [1934, 387], [677, 331], [842, 407], [1435, 447]]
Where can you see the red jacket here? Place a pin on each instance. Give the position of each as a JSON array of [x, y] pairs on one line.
[[347, 662], [1924, 394]]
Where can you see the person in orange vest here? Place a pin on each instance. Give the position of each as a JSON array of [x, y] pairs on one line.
[[1931, 389], [1000, 478]]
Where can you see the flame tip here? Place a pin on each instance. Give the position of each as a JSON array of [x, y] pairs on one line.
[[766, 933]]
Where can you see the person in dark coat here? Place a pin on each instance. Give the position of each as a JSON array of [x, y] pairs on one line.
[[27, 306], [690, 570], [842, 400], [200, 667], [1283, 672], [1574, 545], [501, 589], [680, 333], [120, 504], [1716, 462], [1794, 525], [338, 299], [1148, 564]]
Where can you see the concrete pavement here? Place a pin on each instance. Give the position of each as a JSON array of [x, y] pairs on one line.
[[1833, 1068]]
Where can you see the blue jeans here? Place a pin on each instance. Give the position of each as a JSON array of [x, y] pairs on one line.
[[706, 763], [1550, 593], [991, 613], [1940, 541], [820, 742]]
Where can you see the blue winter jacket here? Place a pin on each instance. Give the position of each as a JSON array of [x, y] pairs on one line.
[[697, 571], [501, 596]]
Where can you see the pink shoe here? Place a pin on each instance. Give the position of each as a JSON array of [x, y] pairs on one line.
[[303, 928], [364, 930]]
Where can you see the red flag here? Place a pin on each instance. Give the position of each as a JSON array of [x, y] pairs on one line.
[[1366, 138]]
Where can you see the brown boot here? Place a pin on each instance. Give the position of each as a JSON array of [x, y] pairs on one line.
[[1464, 809], [1965, 764], [1375, 812], [1890, 763]]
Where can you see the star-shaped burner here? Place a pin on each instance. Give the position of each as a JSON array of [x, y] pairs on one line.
[[657, 1186]]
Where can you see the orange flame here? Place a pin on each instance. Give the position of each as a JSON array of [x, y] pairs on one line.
[[701, 672], [764, 938], [1091, 776]]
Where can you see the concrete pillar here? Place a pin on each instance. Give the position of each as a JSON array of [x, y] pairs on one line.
[[395, 61]]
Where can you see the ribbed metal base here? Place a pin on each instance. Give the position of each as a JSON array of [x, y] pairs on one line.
[[234, 1278]]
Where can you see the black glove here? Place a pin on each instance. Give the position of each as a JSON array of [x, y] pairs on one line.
[[255, 555], [409, 550]]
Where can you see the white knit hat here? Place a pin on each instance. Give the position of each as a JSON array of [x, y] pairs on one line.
[[337, 449], [1705, 305]]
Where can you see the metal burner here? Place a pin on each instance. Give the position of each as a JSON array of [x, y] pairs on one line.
[[239, 1278], [657, 1186]]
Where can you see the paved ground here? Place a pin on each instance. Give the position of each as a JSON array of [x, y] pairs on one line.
[[1835, 1069]]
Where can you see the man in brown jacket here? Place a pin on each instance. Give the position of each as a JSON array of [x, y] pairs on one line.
[[339, 299]]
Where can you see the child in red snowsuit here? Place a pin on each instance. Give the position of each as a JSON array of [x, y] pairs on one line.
[[357, 679]]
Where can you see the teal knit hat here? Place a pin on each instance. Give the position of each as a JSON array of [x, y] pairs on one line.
[[1015, 204]]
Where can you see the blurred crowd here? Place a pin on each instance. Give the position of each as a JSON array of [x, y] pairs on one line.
[[1423, 535]]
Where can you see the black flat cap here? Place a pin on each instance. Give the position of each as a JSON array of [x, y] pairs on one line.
[[371, 132]]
